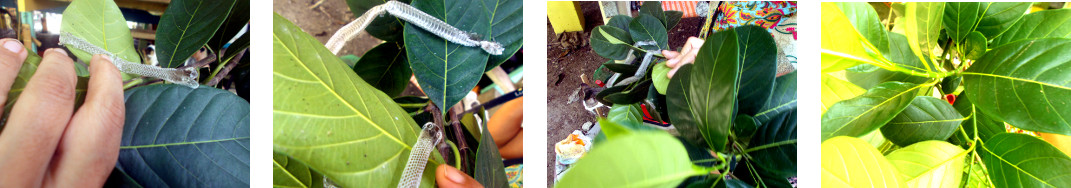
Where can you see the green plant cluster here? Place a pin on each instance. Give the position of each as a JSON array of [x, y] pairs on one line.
[[350, 124], [732, 113], [884, 123]]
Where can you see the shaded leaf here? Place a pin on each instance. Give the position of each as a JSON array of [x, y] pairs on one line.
[[236, 20], [384, 27], [975, 46], [624, 69], [782, 99], [1019, 160], [625, 113], [634, 94], [781, 158], [648, 28], [200, 139], [702, 96], [447, 71], [960, 18], [490, 171], [758, 68], [654, 8], [926, 118], [660, 77], [386, 67], [506, 28], [620, 22], [672, 18], [185, 27], [610, 42]]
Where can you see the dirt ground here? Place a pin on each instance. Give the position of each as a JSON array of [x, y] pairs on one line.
[[323, 20], [563, 74]]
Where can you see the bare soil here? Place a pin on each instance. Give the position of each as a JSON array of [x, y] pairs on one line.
[[564, 70], [323, 20]]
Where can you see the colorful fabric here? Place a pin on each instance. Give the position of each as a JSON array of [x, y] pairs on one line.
[[515, 175], [767, 14], [687, 7]]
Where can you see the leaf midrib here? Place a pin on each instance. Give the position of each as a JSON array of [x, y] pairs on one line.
[[872, 108], [335, 93]]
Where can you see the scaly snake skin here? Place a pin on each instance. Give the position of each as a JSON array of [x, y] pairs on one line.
[[415, 17], [418, 157], [186, 77]]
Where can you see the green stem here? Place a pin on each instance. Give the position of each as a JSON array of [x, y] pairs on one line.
[[457, 154], [133, 83], [775, 144]]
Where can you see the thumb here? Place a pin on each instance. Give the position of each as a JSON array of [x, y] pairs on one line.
[[449, 177]]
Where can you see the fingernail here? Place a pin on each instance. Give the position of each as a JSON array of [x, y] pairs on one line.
[[454, 175], [13, 45], [671, 62], [60, 50]]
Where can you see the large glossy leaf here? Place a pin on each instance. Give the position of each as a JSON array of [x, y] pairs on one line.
[[633, 94], [506, 28], [901, 55], [610, 42], [1024, 83], [625, 113], [648, 28], [922, 28], [385, 27], [996, 17], [654, 8], [386, 67], [781, 158], [866, 21], [186, 26], [926, 118], [1043, 24], [672, 18], [1019, 160], [851, 162], [867, 76], [289, 173], [624, 69], [620, 22], [835, 90], [326, 117], [175, 136], [869, 111], [986, 126], [781, 99], [660, 77], [758, 67], [703, 97], [100, 23], [975, 45], [842, 45], [490, 171], [751, 173], [929, 164], [663, 163], [447, 71], [960, 18]]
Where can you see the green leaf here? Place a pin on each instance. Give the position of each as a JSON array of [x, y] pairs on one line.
[[758, 68], [386, 68], [620, 22], [867, 76], [1042, 24], [702, 96], [926, 118], [996, 17], [654, 8], [506, 28], [447, 71], [929, 164], [866, 21], [960, 18], [100, 23], [374, 134], [851, 162], [289, 173], [923, 27], [660, 77], [1025, 84], [610, 42], [751, 173], [29, 67], [384, 27], [490, 171], [781, 158], [835, 90], [672, 18], [663, 163], [624, 69], [869, 111], [613, 129], [236, 20], [842, 45], [781, 99], [411, 103], [1019, 160], [977, 177], [185, 27], [625, 113], [632, 95], [987, 127], [975, 46], [197, 137], [350, 60], [744, 126], [648, 28]]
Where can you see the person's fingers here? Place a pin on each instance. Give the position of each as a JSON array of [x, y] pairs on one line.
[[670, 54], [694, 42], [11, 58], [90, 146], [38, 119], [672, 72], [674, 62], [447, 176]]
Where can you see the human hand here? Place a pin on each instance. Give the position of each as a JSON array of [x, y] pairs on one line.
[[447, 176], [46, 143], [685, 56]]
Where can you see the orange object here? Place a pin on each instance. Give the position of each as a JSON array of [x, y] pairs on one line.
[[514, 148], [688, 7], [506, 122]]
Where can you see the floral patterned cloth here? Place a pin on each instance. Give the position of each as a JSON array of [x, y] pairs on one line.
[[778, 17]]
